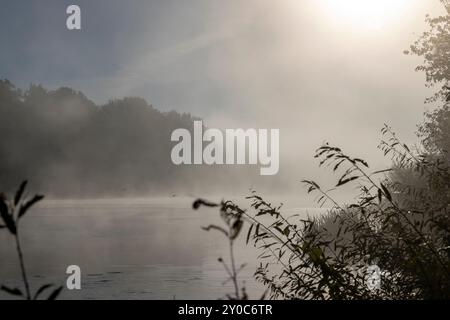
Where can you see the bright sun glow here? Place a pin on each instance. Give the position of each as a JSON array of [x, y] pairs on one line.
[[373, 14]]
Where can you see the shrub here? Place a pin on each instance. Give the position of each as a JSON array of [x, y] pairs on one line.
[[402, 229]]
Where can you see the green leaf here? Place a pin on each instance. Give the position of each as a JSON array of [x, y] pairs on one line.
[[338, 164], [249, 233], [287, 231], [236, 229], [257, 230], [261, 212], [19, 192], [386, 192], [315, 254], [382, 171], [12, 291], [364, 163], [7, 218], [339, 231], [341, 182], [28, 204], [41, 290], [278, 229], [55, 293]]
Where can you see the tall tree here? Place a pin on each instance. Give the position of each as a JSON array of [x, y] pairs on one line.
[[434, 47]]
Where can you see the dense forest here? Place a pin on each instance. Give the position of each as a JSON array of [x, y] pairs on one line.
[[68, 146]]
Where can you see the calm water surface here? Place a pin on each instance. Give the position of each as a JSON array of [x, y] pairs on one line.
[[127, 249]]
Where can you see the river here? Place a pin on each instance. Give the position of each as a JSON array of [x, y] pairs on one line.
[[127, 249]]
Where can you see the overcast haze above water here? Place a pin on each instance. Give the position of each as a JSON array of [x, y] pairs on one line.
[[297, 66]]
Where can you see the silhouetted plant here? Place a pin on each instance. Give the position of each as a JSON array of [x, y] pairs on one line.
[[233, 223], [433, 47], [405, 232], [11, 213]]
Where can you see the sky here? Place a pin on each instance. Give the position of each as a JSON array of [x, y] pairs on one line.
[[319, 70]]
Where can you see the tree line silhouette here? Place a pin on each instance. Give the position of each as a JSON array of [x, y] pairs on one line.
[[69, 146]]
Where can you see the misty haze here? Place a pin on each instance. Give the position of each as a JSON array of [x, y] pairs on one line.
[[118, 149]]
